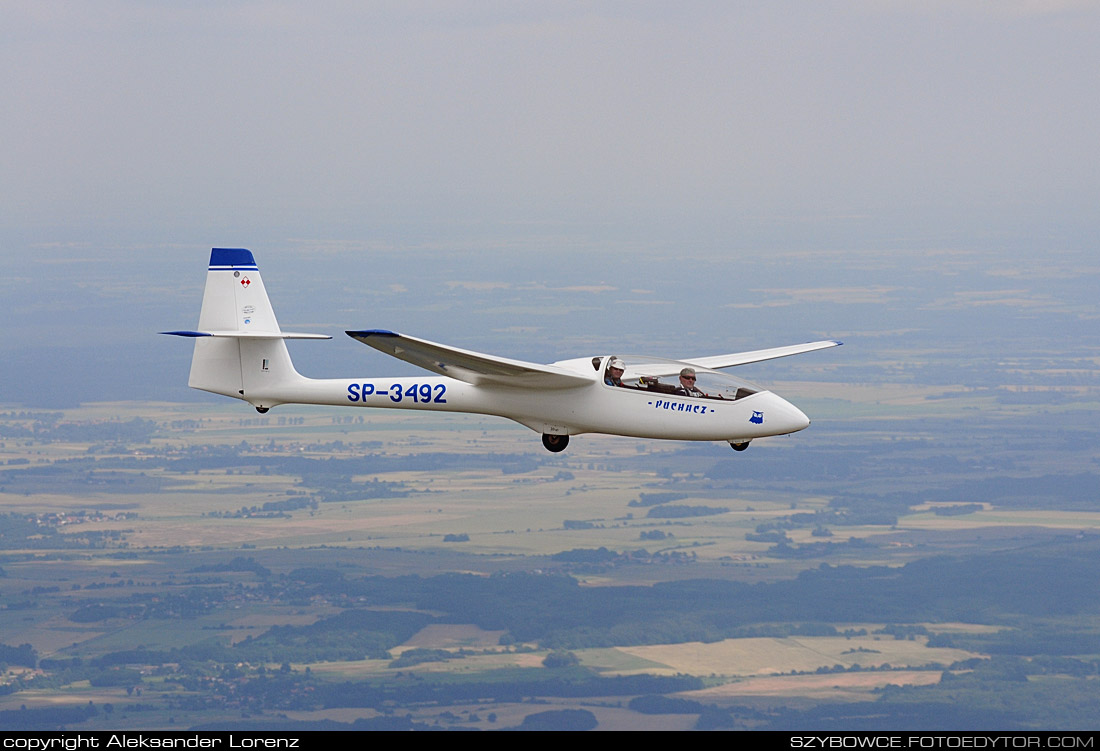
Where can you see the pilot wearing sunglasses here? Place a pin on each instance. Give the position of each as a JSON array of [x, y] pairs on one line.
[[687, 383]]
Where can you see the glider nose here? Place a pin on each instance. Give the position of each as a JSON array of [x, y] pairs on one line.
[[791, 418], [800, 419]]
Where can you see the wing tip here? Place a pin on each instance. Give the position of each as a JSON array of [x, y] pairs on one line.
[[366, 333]]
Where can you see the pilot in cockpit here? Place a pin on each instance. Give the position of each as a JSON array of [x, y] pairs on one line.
[[687, 383], [613, 376]]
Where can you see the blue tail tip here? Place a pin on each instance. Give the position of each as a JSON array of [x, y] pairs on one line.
[[231, 257]]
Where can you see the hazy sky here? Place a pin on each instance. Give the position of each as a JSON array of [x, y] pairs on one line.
[[758, 147], [711, 122]]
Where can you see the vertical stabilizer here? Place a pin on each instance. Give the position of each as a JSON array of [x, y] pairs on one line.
[[239, 349], [235, 298]]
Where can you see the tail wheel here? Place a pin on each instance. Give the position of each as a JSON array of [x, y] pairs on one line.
[[739, 446], [555, 443]]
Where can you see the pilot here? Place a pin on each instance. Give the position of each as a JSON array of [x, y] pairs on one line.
[[613, 376], [687, 383]]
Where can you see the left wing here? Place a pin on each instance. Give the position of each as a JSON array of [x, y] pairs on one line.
[[472, 367], [758, 355]]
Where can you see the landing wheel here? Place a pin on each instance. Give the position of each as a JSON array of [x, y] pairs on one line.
[[739, 446], [555, 443], [262, 410]]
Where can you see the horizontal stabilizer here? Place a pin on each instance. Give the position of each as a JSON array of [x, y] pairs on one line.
[[248, 334], [472, 367]]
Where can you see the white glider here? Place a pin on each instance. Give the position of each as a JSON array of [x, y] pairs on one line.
[[240, 351]]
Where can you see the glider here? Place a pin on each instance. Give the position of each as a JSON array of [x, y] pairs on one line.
[[241, 352]]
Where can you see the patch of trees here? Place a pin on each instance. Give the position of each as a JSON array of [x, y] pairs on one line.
[[185, 602], [901, 631], [776, 537], [49, 427], [23, 655], [345, 490], [290, 504], [350, 635], [818, 549], [560, 659], [589, 560], [17, 529], [240, 563], [683, 512], [843, 512], [420, 655], [25, 531], [655, 499], [100, 612], [77, 477], [716, 718], [577, 524], [560, 719], [116, 677], [1060, 639], [586, 555]]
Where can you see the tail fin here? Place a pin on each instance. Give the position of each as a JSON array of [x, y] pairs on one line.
[[239, 348]]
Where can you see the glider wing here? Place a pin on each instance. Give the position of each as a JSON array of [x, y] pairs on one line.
[[472, 367]]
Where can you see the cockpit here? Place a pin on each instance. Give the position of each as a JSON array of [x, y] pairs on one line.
[[673, 377]]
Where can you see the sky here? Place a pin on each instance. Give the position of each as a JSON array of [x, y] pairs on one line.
[[523, 177], [714, 124]]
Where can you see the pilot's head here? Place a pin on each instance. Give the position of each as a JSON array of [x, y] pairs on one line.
[[615, 368], [687, 377]]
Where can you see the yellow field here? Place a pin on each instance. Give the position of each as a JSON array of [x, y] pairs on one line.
[[741, 658], [832, 687]]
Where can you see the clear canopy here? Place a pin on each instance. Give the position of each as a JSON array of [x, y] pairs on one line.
[[663, 376]]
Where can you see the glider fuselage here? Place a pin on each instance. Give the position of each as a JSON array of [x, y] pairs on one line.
[[592, 408]]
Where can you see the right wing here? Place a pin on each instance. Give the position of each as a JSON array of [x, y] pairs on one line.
[[472, 367], [758, 355]]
